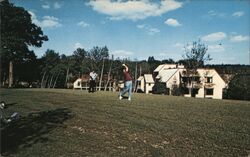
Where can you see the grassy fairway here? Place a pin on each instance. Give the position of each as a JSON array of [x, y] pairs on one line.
[[76, 123]]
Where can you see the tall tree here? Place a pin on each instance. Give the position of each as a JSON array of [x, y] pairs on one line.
[[104, 54], [50, 65], [109, 73], [98, 55], [79, 56], [28, 71], [68, 63], [144, 68], [153, 63], [195, 57], [168, 61], [17, 33]]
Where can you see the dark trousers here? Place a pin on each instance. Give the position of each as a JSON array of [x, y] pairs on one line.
[[92, 85]]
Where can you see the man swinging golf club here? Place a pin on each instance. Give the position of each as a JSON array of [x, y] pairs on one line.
[[127, 83]]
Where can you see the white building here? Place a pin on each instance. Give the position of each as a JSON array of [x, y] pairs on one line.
[[207, 83], [80, 84], [140, 84], [170, 77], [145, 83]]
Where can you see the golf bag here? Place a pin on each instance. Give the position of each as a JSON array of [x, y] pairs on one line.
[[15, 116]]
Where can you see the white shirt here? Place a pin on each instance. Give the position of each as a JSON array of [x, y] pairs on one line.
[[93, 75]]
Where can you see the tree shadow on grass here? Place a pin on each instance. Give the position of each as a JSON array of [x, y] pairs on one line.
[[31, 129]]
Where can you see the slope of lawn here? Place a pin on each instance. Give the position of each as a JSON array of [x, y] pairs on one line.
[[75, 123]]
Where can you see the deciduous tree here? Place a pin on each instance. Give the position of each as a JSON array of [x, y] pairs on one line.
[[195, 56], [17, 34]]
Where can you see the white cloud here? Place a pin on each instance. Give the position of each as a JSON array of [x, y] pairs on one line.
[[122, 53], [214, 36], [50, 22], [57, 5], [45, 6], [153, 31], [83, 24], [133, 10], [212, 14], [215, 48], [238, 14], [33, 16], [163, 54], [179, 45], [239, 38], [140, 26], [47, 21], [78, 45], [167, 55], [172, 22], [150, 30]]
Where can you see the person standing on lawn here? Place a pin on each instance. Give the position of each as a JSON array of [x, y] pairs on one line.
[[92, 83], [127, 83]]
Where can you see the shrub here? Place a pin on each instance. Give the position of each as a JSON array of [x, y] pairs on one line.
[[239, 87], [176, 90], [159, 88]]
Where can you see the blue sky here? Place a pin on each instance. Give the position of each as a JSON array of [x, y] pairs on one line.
[[139, 29]]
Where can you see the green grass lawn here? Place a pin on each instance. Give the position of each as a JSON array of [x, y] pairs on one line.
[[77, 123]]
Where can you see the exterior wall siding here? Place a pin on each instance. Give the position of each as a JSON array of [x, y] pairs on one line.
[[148, 88]]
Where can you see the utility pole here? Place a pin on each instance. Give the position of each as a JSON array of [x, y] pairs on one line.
[[140, 70], [100, 83], [10, 74], [249, 56], [135, 76]]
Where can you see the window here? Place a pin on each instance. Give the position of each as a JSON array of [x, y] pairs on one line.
[[149, 84], [184, 79], [210, 91], [196, 79], [209, 79], [78, 83]]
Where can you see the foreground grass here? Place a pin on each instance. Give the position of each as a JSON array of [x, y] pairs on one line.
[[77, 123]]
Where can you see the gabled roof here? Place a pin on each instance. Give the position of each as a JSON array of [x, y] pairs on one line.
[[164, 67], [140, 78], [165, 75], [149, 78], [159, 68], [77, 80], [209, 73]]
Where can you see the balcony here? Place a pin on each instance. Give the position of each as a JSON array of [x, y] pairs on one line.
[[194, 84]]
